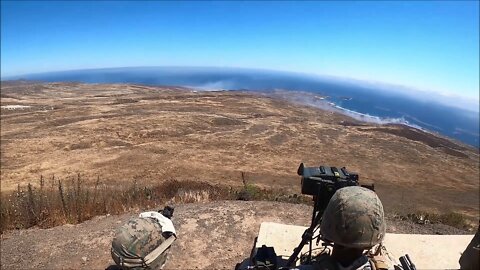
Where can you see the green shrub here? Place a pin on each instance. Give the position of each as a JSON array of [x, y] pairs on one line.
[[250, 192]]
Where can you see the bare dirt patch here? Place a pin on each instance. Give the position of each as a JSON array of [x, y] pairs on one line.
[[160, 133], [214, 235]]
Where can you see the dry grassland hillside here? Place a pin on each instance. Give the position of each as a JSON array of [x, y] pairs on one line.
[[125, 133]]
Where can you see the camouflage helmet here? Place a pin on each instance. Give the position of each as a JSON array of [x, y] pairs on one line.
[[354, 218], [134, 241]]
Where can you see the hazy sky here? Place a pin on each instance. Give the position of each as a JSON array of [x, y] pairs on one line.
[[427, 45]]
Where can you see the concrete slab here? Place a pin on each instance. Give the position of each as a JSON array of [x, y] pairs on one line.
[[426, 251], [284, 238]]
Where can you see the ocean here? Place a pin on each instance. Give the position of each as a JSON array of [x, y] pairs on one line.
[[367, 102]]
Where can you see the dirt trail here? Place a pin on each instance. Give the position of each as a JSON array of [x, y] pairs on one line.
[[213, 235], [123, 133]]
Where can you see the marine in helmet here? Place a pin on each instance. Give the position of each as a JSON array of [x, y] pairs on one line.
[[143, 242], [354, 222], [470, 258]]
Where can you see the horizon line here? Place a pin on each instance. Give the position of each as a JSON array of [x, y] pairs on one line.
[[357, 81]]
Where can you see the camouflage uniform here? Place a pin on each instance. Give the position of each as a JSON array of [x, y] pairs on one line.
[[470, 258], [134, 241], [325, 262], [353, 218]]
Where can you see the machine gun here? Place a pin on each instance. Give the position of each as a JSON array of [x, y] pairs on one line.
[[320, 182]]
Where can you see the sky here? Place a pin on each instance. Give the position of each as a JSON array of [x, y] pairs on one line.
[[431, 46]]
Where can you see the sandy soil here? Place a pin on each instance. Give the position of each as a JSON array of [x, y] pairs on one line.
[[214, 235], [123, 133]]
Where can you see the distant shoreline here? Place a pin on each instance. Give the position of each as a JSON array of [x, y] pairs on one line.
[[356, 103]]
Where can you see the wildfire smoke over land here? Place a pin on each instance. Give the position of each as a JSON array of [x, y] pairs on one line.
[[126, 133]]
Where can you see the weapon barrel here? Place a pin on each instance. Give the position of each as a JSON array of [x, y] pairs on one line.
[[412, 266], [407, 263]]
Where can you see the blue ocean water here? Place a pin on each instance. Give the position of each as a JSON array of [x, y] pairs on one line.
[[365, 102]]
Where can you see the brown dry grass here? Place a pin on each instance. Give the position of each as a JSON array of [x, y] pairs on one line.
[[128, 133], [56, 202]]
